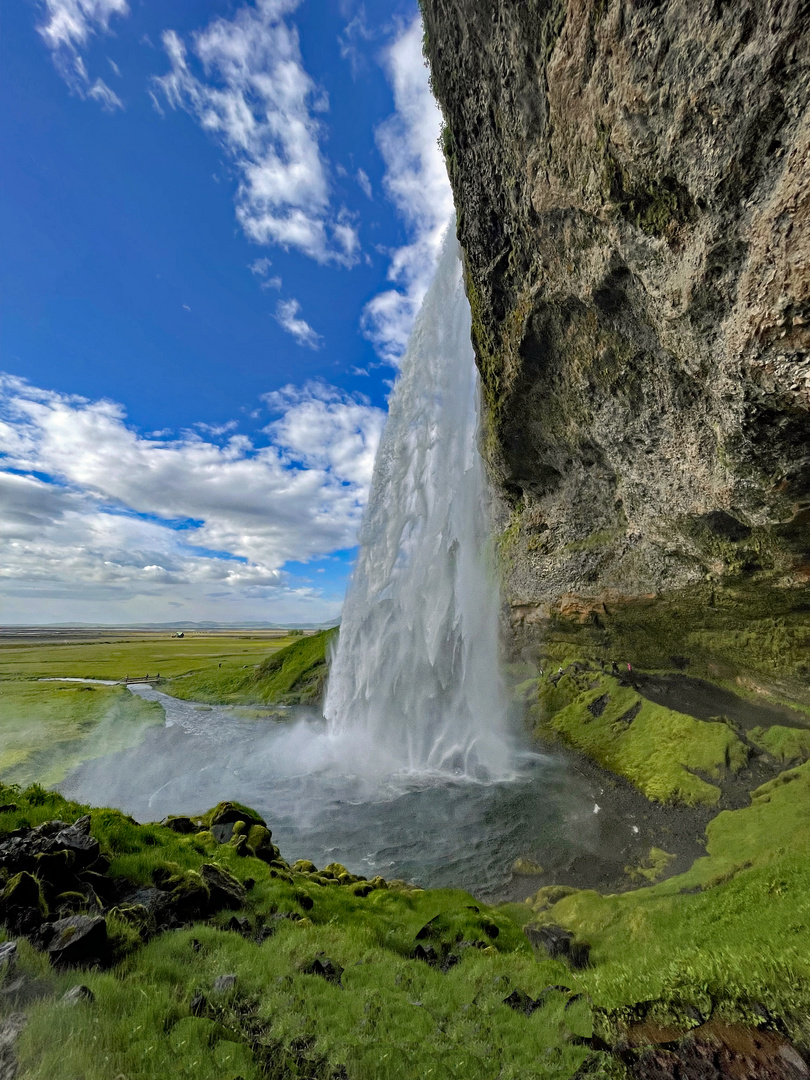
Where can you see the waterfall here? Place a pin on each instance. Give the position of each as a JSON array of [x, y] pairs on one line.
[[414, 683]]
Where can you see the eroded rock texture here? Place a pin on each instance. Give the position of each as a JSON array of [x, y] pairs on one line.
[[633, 190]]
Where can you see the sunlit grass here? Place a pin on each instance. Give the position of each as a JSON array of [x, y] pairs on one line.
[[137, 656], [47, 728]]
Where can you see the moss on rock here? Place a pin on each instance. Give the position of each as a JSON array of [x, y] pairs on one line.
[[664, 753]]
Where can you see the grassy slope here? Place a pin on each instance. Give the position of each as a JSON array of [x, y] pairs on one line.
[[393, 1016], [727, 937], [294, 674], [659, 750], [48, 728], [723, 940]]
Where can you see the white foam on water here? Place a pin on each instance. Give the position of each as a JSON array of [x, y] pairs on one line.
[[414, 685]]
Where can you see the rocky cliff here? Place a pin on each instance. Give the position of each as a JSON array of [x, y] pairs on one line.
[[633, 196]]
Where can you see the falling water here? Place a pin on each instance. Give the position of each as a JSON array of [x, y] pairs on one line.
[[414, 682]]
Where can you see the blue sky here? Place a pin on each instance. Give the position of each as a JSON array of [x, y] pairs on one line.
[[218, 222]]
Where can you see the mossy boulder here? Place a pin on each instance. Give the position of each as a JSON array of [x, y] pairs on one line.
[[259, 841], [224, 889], [22, 894]]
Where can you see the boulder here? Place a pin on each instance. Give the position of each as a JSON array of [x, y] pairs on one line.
[[8, 956], [77, 839], [223, 984], [180, 824], [228, 813], [259, 840], [560, 944], [554, 939], [22, 904], [225, 891], [521, 1002], [239, 926], [76, 940], [304, 866], [77, 995]]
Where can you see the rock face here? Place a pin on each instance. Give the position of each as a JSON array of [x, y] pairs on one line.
[[633, 203]]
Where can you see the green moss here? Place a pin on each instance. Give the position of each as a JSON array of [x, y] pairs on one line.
[[653, 867], [23, 891], [226, 813], [721, 936], [788, 745], [600, 538], [748, 635], [659, 750], [392, 1016]]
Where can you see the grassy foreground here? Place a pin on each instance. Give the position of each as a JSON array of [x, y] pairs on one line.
[[369, 1008], [719, 945]]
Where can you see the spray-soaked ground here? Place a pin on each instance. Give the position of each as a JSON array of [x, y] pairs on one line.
[[432, 830]]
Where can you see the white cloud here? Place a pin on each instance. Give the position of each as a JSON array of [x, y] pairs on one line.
[[355, 32], [67, 30], [326, 429], [254, 96], [143, 521], [260, 267], [416, 181], [364, 182], [287, 318]]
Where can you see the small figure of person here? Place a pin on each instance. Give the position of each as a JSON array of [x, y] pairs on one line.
[[614, 670]]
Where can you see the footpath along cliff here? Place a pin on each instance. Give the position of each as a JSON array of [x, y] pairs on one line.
[[633, 195]]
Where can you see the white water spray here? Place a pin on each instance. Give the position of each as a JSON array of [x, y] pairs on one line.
[[414, 684]]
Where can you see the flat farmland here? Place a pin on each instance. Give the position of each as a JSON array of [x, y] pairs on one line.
[[133, 654]]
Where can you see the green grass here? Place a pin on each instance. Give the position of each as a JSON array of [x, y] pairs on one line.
[[293, 674], [393, 1016], [135, 656], [659, 750], [48, 728], [727, 937]]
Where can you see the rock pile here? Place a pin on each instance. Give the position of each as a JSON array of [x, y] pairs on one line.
[[57, 891]]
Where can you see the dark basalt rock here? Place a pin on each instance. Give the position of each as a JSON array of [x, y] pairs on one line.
[[77, 940], [179, 824], [521, 1002], [77, 995], [559, 943], [225, 891], [325, 968], [427, 954], [223, 984]]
